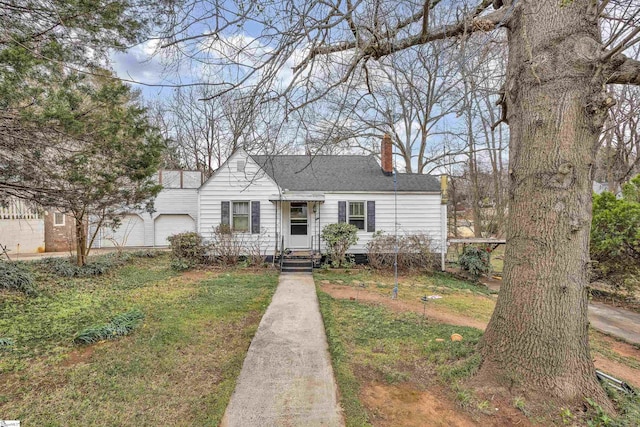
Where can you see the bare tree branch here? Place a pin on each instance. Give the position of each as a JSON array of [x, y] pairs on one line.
[[627, 72]]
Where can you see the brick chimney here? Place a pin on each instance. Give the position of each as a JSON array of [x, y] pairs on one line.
[[386, 155]]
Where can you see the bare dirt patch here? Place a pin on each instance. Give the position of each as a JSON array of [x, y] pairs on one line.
[[433, 313], [403, 405], [618, 370], [195, 275], [81, 355], [622, 348]]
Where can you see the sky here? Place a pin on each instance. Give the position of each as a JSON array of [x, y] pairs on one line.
[[139, 64]]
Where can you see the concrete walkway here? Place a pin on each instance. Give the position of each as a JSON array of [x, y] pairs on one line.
[[286, 378], [615, 321]]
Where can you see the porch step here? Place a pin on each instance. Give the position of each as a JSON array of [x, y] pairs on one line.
[[297, 265], [297, 270]]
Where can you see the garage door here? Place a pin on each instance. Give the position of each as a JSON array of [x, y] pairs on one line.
[[167, 225], [129, 233]]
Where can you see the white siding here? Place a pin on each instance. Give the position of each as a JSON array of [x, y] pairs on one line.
[[170, 201], [22, 236], [417, 213], [228, 184], [131, 232]]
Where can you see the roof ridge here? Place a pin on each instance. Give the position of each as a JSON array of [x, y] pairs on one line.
[[314, 155]]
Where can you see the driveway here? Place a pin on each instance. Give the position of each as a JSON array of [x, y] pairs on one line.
[[615, 321]]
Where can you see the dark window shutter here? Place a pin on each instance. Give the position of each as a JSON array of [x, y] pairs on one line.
[[224, 215], [255, 217], [342, 211], [371, 216]]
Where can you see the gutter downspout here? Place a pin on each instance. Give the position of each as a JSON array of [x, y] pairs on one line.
[[276, 234]]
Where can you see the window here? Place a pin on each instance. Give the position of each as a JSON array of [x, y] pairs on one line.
[[298, 219], [356, 214], [240, 216], [240, 166], [58, 219]]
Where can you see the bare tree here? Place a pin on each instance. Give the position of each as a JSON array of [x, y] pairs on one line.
[[408, 96], [554, 102], [482, 68], [204, 133], [619, 154]]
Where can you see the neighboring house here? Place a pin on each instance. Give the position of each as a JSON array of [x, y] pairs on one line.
[[600, 187], [176, 211], [284, 201], [21, 227], [59, 231]]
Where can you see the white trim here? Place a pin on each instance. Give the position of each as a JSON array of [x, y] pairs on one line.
[[307, 244], [56, 223], [297, 197], [228, 162], [231, 203], [364, 208], [422, 193]]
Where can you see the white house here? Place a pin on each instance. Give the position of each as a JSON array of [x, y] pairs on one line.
[[284, 201], [176, 211]]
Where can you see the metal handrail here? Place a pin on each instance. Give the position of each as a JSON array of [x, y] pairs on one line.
[[281, 253]]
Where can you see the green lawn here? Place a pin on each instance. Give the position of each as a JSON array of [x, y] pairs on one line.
[[178, 368]]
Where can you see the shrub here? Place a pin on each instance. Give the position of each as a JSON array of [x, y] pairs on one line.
[[187, 245], [187, 250], [475, 261], [414, 252], [17, 277], [339, 238], [120, 325], [615, 240], [228, 247]]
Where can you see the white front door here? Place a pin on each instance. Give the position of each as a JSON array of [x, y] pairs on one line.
[[298, 226]]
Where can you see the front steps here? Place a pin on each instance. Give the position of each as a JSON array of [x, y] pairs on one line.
[[297, 262]]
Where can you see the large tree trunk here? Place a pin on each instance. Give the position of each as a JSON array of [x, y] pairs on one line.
[[537, 339]]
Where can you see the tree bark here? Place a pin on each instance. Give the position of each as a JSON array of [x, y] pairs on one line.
[[537, 339], [81, 241]]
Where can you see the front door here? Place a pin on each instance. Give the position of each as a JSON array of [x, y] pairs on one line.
[[299, 227]]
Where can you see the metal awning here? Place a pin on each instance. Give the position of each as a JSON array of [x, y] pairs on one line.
[[297, 197]]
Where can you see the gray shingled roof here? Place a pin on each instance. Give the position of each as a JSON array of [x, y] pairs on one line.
[[339, 173]]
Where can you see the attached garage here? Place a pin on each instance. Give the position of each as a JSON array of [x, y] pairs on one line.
[[166, 225], [129, 233]]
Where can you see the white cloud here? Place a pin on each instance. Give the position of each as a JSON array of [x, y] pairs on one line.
[[139, 64]]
